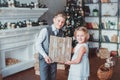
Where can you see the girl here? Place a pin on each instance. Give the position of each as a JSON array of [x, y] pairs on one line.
[[79, 65]]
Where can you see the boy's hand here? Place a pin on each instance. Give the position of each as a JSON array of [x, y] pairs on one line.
[[47, 60]]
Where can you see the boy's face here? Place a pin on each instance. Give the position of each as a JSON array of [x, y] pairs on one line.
[[58, 21]]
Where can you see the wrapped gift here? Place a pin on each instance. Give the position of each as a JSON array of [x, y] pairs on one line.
[[60, 48]]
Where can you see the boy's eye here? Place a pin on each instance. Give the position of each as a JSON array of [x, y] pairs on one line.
[[58, 20]]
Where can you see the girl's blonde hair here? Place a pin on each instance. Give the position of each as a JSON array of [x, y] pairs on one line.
[[84, 29]]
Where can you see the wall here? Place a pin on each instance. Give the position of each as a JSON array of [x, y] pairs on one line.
[[54, 6]]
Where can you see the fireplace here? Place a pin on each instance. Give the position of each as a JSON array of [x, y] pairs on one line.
[[17, 49]]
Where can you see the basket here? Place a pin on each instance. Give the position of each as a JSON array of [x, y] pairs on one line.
[[104, 73]]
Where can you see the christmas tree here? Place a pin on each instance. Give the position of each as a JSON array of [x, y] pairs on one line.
[[75, 16]]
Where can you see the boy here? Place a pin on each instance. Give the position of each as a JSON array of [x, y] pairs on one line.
[[47, 69]]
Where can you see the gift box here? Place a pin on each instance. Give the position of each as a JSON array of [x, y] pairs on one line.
[[60, 48]]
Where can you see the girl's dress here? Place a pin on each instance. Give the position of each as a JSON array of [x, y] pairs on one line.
[[79, 71]]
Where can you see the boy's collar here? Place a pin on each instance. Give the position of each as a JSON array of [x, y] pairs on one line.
[[54, 28]]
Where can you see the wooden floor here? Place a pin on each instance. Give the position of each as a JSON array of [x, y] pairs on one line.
[[95, 62]]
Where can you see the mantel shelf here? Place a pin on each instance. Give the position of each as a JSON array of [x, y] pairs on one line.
[[20, 31], [21, 13]]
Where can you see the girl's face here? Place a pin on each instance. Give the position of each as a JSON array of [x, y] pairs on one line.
[[59, 22], [80, 36]]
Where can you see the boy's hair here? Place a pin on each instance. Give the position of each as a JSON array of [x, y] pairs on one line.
[[84, 29], [62, 14]]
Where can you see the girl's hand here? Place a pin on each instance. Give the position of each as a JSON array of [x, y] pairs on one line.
[[68, 62]]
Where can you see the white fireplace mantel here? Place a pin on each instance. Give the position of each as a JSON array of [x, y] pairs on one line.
[[19, 14], [19, 44]]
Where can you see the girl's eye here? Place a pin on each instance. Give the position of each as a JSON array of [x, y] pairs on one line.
[[80, 35]]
